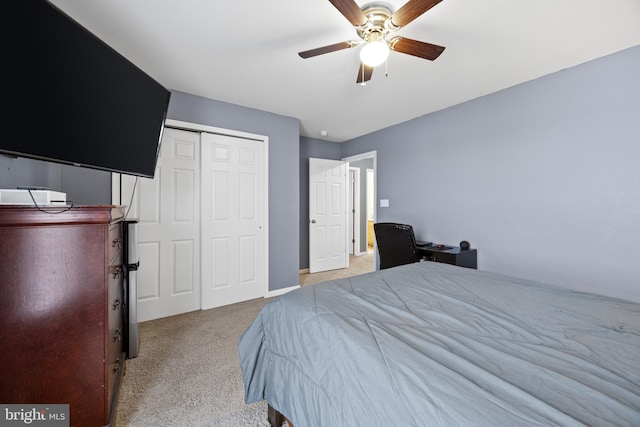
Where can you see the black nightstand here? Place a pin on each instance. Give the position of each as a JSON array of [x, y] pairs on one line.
[[450, 255]]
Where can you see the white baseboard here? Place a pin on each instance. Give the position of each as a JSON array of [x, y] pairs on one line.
[[279, 292]]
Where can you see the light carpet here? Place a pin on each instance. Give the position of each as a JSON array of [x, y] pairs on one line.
[[357, 265], [188, 370]]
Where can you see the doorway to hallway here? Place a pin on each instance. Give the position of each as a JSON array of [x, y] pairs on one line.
[[362, 239]]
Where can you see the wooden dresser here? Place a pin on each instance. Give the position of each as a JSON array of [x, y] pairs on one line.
[[61, 312]]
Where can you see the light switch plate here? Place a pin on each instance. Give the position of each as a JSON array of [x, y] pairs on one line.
[[384, 203]]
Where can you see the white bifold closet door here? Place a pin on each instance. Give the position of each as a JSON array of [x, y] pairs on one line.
[[202, 239], [233, 220], [168, 210]]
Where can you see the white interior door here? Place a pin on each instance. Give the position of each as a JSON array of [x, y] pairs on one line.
[[328, 211], [234, 191], [168, 210]]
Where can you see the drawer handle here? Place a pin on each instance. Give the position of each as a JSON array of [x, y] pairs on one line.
[[117, 272], [116, 304]]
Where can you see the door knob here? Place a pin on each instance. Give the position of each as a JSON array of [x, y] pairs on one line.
[[313, 221]]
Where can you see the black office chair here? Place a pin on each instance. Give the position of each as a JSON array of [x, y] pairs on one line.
[[396, 244]]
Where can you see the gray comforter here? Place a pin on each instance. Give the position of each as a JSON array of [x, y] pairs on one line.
[[431, 344]]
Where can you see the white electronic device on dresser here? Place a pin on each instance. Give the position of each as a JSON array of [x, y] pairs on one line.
[[29, 196]]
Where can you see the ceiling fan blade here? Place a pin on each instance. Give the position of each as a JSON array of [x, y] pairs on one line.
[[411, 10], [326, 49], [350, 10], [364, 73], [416, 48]]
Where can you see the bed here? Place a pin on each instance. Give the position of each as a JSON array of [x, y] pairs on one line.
[[431, 344]]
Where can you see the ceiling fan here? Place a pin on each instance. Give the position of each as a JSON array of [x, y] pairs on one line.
[[374, 23]]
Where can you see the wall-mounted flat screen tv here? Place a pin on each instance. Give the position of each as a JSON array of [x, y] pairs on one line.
[[72, 99]]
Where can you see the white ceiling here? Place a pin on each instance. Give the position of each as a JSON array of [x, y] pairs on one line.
[[245, 52]]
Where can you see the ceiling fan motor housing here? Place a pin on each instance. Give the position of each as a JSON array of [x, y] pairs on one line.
[[379, 23]]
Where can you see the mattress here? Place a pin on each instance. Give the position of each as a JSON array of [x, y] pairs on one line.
[[430, 344]]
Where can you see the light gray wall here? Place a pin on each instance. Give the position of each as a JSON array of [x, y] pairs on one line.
[[310, 147], [284, 188], [82, 186], [542, 178]]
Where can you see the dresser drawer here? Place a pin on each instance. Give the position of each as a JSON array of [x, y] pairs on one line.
[[115, 305], [116, 243], [115, 334]]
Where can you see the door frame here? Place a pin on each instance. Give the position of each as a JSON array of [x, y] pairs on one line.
[[370, 199], [368, 155], [354, 188], [116, 195]]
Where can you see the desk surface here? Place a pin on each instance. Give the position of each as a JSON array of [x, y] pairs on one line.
[[448, 249]]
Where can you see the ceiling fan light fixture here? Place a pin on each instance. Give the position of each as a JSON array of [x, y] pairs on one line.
[[374, 53], [374, 24]]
